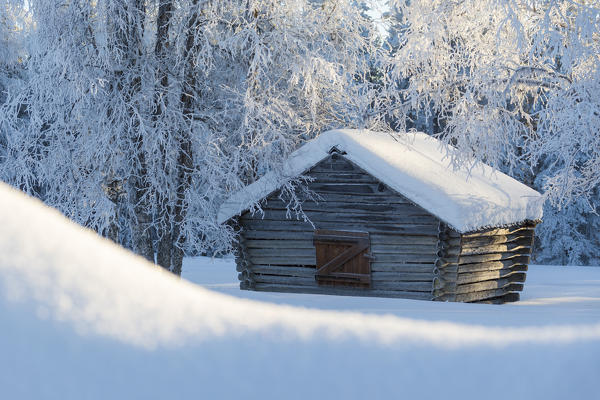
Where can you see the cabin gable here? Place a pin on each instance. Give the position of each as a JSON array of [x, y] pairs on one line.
[[277, 251], [463, 235]]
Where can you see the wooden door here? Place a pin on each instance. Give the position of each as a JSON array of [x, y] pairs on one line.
[[343, 258]]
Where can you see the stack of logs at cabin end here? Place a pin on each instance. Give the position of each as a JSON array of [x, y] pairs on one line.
[[484, 266], [411, 253]]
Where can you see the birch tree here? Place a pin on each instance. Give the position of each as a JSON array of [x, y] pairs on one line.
[[144, 115], [514, 84], [12, 22]]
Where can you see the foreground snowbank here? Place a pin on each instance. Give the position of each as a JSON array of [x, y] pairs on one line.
[[553, 295], [82, 318]]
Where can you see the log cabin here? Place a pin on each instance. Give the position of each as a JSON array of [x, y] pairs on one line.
[[385, 215]]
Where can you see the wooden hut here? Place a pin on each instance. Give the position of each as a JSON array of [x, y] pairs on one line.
[[385, 216]]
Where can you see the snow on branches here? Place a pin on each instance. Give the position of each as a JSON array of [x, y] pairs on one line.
[[141, 116], [137, 118], [513, 83], [509, 82]]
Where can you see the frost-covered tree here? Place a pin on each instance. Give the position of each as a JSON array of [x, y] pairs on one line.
[[144, 115], [12, 22], [514, 84]]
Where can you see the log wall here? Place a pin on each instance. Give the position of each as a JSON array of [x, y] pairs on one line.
[[414, 254], [488, 265], [277, 251]]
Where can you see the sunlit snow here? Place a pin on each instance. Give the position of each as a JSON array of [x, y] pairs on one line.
[[82, 318]]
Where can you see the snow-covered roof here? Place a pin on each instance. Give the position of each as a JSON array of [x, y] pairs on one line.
[[416, 166]]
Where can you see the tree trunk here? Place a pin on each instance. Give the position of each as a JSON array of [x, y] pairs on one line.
[[185, 158], [131, 41], [163, 250], [164, 229]]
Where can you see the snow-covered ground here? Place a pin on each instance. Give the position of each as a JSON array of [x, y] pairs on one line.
[[553, 295], [81, 318]]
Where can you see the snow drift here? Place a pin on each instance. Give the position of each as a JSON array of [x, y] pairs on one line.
[[84, 318]]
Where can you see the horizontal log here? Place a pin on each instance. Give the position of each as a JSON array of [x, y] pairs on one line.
[[341, 177], [516, 246], [495, 257], [285, 280], [449, 234], [277, 235], [448, 280], [401, 267], [446, 264], [258, 260], [487, 275], [279, 252], [492, 284], [310, 273], [342, 291], [492, 266], [355, 198], [482, 295], [378, 237], [453, 234], [380, 228], [305, 251], [478, 260], [404, 258], [403, 248], [375, 284], [350, 207], [402, 276], [392, 239], [377, 265], [286, 226], [284, 270], [422, 286], [449, 251], [498, 239], [279, 244], [401, 213], [331, 219], [523, 229], [507, 298], [403, 286], [372, 189], [449, 242], [244, 275], [448, 269], [246, 285], [341, 216], [329, 165]]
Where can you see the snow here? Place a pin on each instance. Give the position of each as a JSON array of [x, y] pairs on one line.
[[551, 294], [83, 318], [417, 166]]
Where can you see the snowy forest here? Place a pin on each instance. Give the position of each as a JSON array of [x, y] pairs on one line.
[[138, 118]]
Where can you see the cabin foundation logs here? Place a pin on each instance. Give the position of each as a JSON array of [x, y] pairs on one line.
[[446, 265], [483, 266], [243, 265]]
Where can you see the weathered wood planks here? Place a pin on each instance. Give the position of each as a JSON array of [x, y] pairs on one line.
[[398, 216], [343, 292], [374, 227], [413, 254]]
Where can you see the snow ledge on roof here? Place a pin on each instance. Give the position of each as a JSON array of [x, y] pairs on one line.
[[419, 168]]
